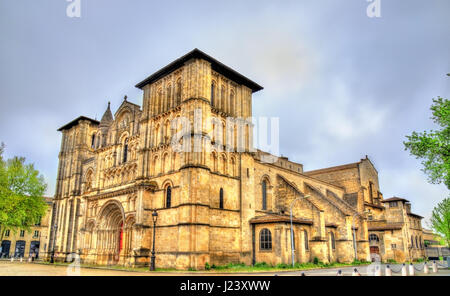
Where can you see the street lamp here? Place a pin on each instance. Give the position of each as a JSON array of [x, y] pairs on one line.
[[292, 229], [154, 218], [52, 257]]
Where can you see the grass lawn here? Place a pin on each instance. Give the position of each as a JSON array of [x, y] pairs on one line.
[[229, 268]]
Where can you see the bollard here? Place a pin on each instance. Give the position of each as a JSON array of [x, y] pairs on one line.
[[377, 271], [434, 267], [12, 259], [303, 274], [425, 268], [21, 259], [388, 271], [339, 273], [355, 272], [404, 273], [411, 269], [29, 259]]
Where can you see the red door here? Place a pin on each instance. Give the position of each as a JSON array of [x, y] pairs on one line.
[[374, 250]]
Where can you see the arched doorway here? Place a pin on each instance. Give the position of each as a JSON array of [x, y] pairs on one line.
[[110, 234]]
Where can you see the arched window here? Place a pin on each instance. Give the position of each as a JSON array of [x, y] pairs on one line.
[[333, 241], [265, 239], [305, 234], [159, 103], [213, 94], [178, 92], [168, 197], [222, 98], [412, 241], [93, 141], [417, 242], [264, 195], [221, 198], [125, 150], [373, 238], [232, 103], [169, 97]]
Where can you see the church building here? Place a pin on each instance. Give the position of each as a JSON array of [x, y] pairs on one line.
[[124, 185]]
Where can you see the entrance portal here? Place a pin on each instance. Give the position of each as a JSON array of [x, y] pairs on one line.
[[109, 234]]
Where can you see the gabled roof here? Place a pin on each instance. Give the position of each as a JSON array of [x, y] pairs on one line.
[[75, 122], [395, 199], [215, 65]]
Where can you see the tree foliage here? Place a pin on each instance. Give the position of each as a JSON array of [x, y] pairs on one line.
[[434, 146], [21, 194], [440, 220]]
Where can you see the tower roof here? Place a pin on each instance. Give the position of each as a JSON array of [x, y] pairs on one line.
[[107, 117], [76, 121], [215, 65]]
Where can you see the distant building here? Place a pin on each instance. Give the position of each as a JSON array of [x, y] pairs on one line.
[[433, 247], [24, 243]]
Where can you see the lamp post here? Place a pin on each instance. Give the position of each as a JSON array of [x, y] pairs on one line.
[[354, 237], [52, 256], [154, 218], [354, 234], [292, 229]]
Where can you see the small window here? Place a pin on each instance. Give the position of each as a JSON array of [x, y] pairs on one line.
[[333, 241], [36, 234], [7, 233], [93, 141], [394, 246], [221, 198], [370, 217], [305, 233], [393, 204], [168, 197], [213, 94], [264, 195], [125, 151], [22, 233], [265, 240]]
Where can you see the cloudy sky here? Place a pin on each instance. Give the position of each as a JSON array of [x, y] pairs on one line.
[[343, 85]]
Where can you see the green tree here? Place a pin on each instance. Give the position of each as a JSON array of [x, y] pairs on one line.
[[21, 194], [434, 146], [440, 220]]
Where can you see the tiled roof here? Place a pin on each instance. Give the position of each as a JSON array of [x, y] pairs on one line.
[[215, 65], [395, 199], [274, 218], [385, 227], [75, 122], [415, 215]]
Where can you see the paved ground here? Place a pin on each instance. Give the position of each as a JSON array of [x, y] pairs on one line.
[[28, 269]]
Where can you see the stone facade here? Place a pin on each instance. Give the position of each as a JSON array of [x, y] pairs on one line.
[[395, 233], [215, 205]]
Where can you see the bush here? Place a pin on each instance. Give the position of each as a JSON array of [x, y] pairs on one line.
[[261, 264], [316, 260], [207, 266], [283, 266]]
